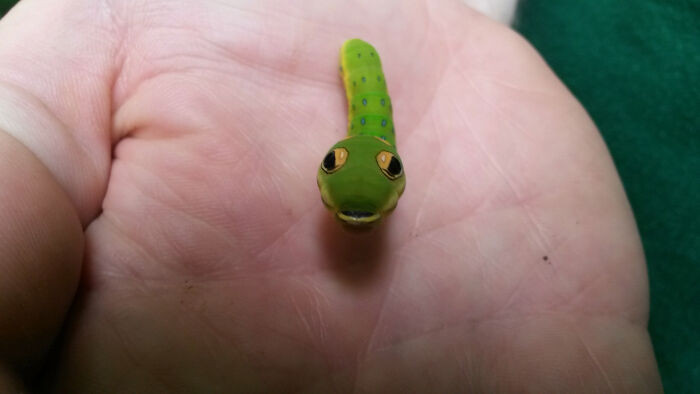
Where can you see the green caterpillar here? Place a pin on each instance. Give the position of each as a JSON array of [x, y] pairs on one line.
[[362, 177]]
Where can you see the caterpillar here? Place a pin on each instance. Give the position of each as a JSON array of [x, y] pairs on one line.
[[361, 177]]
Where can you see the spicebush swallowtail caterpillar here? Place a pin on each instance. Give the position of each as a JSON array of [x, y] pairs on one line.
[[361, 177]]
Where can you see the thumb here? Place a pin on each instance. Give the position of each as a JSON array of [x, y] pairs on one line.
[[55, 80]]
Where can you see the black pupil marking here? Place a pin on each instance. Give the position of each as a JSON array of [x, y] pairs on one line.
[[394, 167], [357, 214], [329, 161]]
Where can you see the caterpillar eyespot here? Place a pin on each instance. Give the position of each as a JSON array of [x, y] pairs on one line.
[[334, 160], [391, 166]]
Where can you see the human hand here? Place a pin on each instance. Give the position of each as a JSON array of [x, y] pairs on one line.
[[186, 136]]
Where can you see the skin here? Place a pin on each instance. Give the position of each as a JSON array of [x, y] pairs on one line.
[[356, 189], [161, 155]]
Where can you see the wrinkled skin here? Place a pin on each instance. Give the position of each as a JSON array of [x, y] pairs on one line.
[[185, 138]]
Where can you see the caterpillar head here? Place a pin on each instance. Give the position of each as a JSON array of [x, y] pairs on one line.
[[361, 179]]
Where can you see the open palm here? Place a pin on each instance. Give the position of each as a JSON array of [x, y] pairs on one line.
[[210, 263]]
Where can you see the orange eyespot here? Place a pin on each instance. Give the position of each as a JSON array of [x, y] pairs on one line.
[[334, 160], [390, 165]]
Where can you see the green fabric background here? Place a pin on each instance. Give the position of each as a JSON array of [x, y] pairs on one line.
[[635, 66]]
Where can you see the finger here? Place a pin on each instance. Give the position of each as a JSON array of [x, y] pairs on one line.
[[41, 244], [56, 62]]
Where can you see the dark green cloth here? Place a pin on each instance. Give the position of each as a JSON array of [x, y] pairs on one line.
[[635, 66], [5, 5]]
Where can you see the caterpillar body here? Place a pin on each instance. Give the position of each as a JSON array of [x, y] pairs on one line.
[[361, 177], [369, 104]]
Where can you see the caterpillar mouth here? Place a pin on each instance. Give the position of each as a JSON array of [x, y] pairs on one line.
[[357, 217]]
